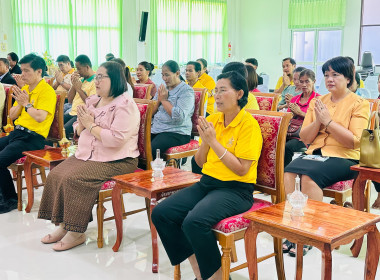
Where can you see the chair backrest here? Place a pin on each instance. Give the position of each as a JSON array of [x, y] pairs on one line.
[[49, 80], [8, 102], [270, 168], [199, 108], [267, 101], [367, 60], [144, 140], [142, 91], [56, 128]]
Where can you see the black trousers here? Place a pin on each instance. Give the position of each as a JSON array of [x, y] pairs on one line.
[[166, 140], [11, 148], [68, 120], [377, 186], [195, 167], [185, 219], [292, 146]]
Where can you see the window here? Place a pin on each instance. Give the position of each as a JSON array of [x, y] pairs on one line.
[[370, 30], [70, 27], [189, 29], [311, 48]]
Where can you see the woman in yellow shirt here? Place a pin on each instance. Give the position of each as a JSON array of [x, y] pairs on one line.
[[209, 83], [229, 152], [332, 127]]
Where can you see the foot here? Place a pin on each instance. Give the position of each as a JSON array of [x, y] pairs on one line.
[[71, 240], [333, 202], [287, 245], [8, 206], [306, 248], [348, 204], [56, 236], [376, 204]]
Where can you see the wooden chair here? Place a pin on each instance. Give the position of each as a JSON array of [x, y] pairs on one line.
[[270, 179], [142, 91], [49, 80], [178, 152], [267, 101], [342, 190], [55, 134], [8, 103], [144, 145]]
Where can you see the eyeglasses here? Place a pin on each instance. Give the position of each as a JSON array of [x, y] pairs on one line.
[[219, 92], [100, 77]]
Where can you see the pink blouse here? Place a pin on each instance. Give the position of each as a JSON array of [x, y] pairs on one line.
[[120, 122], [296, 99], [148, 82]]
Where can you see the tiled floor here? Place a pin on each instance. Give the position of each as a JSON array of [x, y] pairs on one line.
[[24, 257]]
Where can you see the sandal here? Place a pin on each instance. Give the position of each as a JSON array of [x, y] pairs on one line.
[[287, 245], [306, 248], [348, 204]]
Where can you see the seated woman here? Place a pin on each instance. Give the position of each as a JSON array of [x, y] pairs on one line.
[[127, 73], [107, 147], [230, 148], [298, 106], [143, 72], [209, 83], [173, 110], [252, 78], [333, 126], [290, 91]]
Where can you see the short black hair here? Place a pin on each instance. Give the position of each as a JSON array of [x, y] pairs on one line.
[[63, 58], [252, 61], [116, 74], [252, 80], [148, 67], [204, 63], [236, 66], [308, 73], [172, 65], [237, 82], [83, 60], [342, 65], [299, 69], [197, 65], [6, 61], [352, 60], [36, 62], [14, 56], [292, 61], [109, 56]]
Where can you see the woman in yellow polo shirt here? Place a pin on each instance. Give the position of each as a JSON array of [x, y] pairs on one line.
[[332, 128], [229, 152], [208, 83]]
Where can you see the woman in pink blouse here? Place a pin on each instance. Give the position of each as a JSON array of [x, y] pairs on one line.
[[108, 128], [143, 72]]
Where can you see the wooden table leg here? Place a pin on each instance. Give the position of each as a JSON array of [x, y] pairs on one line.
[[299, 261], [358, 203], [250, 250], [29, 183], [373, 253], [326, 262], [117, 211], [153, 232]]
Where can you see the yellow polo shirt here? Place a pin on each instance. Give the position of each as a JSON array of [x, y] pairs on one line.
[[252, 102], [43, 97], [242, 137], [209, 83], [66, 79], [279, 83], [88, 86]]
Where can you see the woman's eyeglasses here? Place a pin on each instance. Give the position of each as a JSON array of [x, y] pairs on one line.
[[100, 77]]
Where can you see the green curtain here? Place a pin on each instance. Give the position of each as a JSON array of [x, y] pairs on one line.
[[316, 13], [185, 30], [70, 27]]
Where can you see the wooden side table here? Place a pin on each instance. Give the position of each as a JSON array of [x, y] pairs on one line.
[[47, 158], [140, 183], [323, 226]]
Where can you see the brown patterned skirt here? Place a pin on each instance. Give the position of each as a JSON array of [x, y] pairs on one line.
[[72, 188]]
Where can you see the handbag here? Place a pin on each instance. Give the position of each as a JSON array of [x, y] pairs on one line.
[[370, 144], [294, 128]]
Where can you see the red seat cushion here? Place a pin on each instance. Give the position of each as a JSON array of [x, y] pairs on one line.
[[341, 186], [191, 146], [20, 160], [265, 102], [109, 185], [237, 222]]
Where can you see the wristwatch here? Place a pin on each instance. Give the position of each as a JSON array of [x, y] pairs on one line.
[[27, 106]]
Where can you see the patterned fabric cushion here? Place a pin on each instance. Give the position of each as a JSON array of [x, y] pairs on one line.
[[192, 145], [141, 141], [194, 118], [54, 128], [267, 163], [20, 160], [342, 186], [140, 91], [109, 185], [237, 222], [265, 102]]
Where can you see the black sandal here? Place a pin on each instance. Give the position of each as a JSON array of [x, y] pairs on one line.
[[306, 248], [289, 245]]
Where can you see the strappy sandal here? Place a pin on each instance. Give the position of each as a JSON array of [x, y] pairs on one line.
[[289, 245], [306, 248]]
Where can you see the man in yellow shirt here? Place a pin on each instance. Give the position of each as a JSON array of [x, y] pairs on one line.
[[288, 65], [33, 112], [83, 86], [193, 72], [63, 75]]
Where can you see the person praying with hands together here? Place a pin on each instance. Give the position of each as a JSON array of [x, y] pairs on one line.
[[230, 147]]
